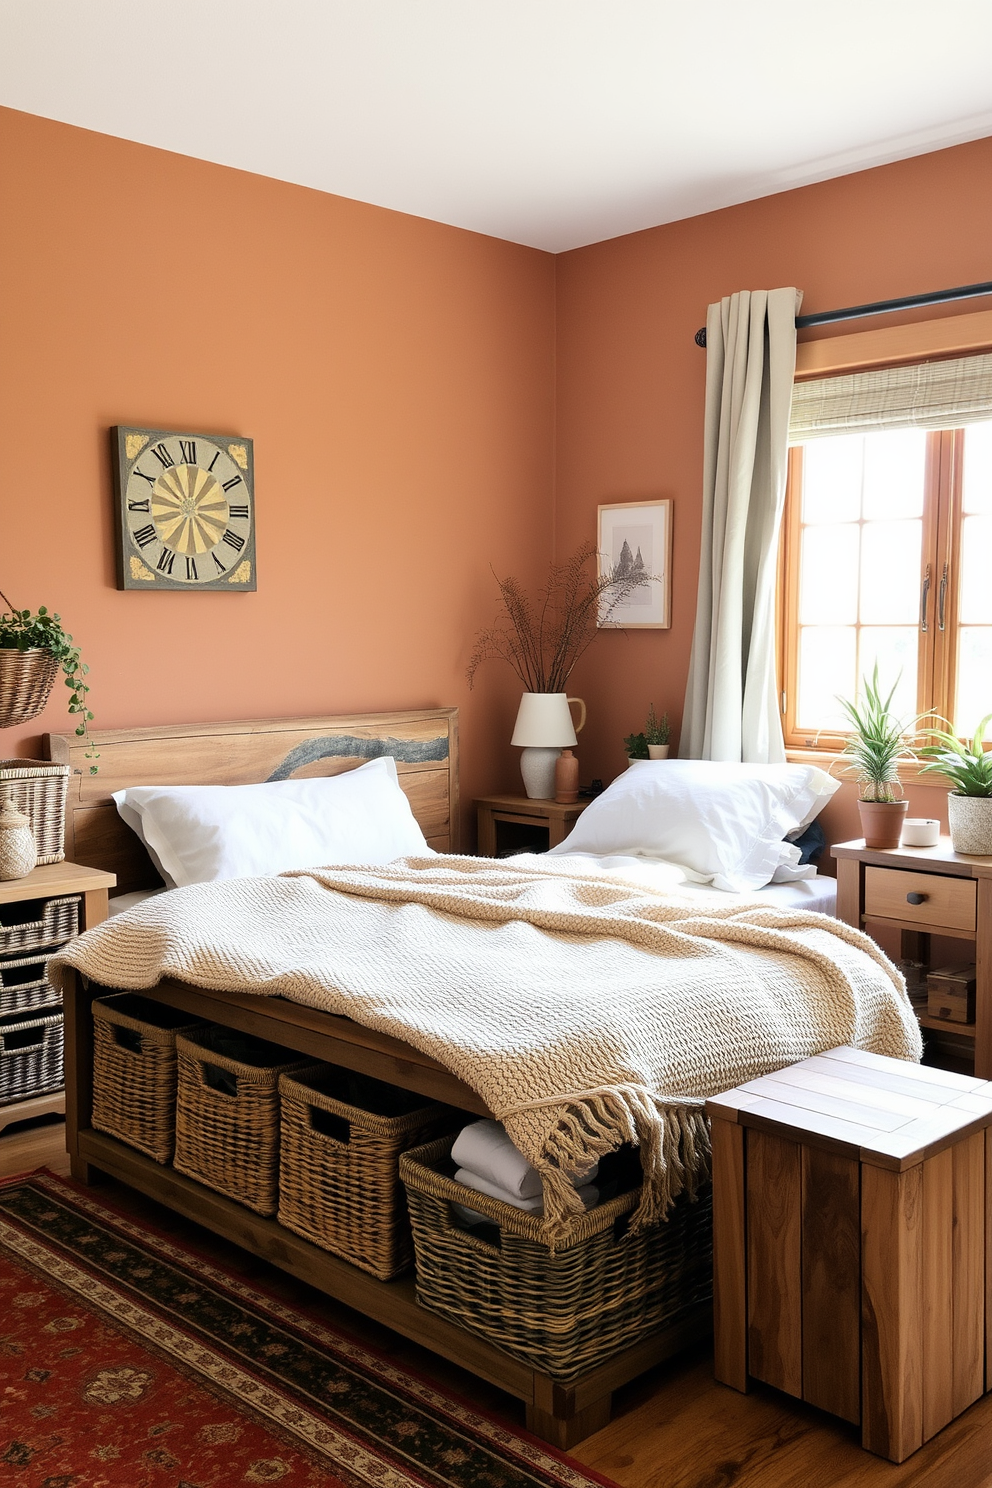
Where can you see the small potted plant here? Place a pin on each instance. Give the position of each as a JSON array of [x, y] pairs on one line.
[[877, 747], [636, 746], [657, 733], [34, 647], [969, 766]]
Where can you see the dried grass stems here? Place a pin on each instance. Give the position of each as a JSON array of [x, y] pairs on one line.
[[543, 639]]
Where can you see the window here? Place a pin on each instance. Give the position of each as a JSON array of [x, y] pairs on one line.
[[887, 557]]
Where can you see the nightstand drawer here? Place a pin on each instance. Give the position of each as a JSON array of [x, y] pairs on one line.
[[924, 898]]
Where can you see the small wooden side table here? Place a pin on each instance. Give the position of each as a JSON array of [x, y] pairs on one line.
[[924, 891], [850, 1238], [522, 811], [52, 881]]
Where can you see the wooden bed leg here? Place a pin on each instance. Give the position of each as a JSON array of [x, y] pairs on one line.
[[78, 1034], [729, 1256], [554, 1417]]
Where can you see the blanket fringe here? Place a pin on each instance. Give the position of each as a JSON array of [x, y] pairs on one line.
[[673, 1137]]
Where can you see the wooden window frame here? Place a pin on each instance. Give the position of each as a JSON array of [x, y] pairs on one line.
[[942, 520]]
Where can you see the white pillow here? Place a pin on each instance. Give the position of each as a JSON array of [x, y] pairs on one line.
[[200, 833], [722, 824]]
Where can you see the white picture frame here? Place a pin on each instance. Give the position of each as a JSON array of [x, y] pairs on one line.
[[632, 532]]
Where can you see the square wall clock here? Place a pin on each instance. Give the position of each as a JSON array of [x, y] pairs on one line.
[[185, 510]]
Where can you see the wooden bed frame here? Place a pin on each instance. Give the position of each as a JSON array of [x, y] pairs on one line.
[[425, 745]]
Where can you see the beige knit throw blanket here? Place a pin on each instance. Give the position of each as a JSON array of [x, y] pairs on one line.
[[585, 1010]]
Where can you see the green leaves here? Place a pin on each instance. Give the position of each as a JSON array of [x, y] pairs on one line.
[[20, 630], [969, 766], [878, 743]]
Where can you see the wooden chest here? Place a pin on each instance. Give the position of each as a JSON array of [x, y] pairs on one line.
[[850, 1235]]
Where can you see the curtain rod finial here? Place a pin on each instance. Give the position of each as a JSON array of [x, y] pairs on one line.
[[700, 337]]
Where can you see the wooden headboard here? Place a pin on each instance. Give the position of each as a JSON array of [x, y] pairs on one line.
[[423, 742]]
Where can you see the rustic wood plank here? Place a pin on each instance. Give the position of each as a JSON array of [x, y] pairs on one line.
[[983, 982], [939, 859], [904, 1068], [988, 1258], [243, 754], [729, 1255], [794, 1096], [324, 1036], [968, 1265], [948, 902], [774, 1270], [892, 1311], [854, 1095], [938, 1292], [78, 1035], [52, 880], [849, 882], [831, 1282], [912, 1080]]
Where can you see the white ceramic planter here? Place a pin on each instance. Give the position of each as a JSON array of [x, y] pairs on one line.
[[658, 751], [970, 820]]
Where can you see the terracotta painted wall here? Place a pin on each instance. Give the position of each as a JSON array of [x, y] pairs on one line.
[[630, 379], [396, 376]]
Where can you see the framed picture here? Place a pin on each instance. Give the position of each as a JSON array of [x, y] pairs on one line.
[[636, 536]]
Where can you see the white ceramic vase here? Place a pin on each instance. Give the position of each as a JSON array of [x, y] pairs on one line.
[[658, 751], [970, 821], [18, 852]]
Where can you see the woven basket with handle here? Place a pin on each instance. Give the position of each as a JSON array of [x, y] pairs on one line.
[[39, 790], [563, 1310], [26, 682]]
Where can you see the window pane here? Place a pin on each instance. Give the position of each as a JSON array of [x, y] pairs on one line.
[[978, 468], [832, 471], [895, 651], [895, 467], [891, 557], [828, 575], [974, 694], [827, 666], [975, 599]]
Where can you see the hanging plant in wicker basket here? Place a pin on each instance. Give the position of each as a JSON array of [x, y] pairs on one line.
[[33, 649]]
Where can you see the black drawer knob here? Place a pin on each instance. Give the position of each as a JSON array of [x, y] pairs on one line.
[[917, 898]]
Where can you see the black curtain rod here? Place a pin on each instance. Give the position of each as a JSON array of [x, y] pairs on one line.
[[882, 307]]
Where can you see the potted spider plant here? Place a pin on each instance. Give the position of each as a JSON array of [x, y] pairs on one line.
[[969, 766], [876, 748]]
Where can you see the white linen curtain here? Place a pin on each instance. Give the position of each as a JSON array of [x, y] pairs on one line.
[[731, 702]]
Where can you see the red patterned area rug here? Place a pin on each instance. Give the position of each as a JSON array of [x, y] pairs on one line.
[[126, 1359]]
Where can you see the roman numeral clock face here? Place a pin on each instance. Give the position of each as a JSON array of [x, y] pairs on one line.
[[186, 511]]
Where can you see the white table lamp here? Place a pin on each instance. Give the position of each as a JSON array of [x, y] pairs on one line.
[[544, 727]]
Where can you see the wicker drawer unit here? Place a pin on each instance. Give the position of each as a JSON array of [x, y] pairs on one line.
[[39, 790], [30, 1056], [134, 1071], [341, 1135], [562, 1311], [24, 985], [31, 924], [227, 1113]]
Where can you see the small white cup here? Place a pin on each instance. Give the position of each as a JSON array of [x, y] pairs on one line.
[[920, 831]]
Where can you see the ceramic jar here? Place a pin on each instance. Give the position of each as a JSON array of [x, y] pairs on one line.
[[970, 821], [18, 853]]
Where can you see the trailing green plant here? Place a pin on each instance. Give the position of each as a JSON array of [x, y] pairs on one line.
[[878, 744], [657, 730], [24, 630], [969, 765], [636, 746], [543, 639]]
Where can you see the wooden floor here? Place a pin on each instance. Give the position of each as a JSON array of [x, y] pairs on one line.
[[673, 1428]]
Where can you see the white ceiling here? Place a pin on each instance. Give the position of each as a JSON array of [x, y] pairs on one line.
[[549, 122]]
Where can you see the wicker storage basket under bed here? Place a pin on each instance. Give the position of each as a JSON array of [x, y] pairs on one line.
[[30, 924], [561, 1311], [134, 1071], [341, 1135], [39, 789], [227, 1113], [30, 1056], [24, 984]]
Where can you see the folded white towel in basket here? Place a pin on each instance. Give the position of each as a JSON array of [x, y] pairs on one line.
[[534, 1204], [485, 1150]]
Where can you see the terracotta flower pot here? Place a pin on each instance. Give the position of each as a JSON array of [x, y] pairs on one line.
[[881, 822]]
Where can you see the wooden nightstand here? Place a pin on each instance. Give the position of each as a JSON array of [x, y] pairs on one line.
[[520, 811], [52, 881], [924, 891]]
